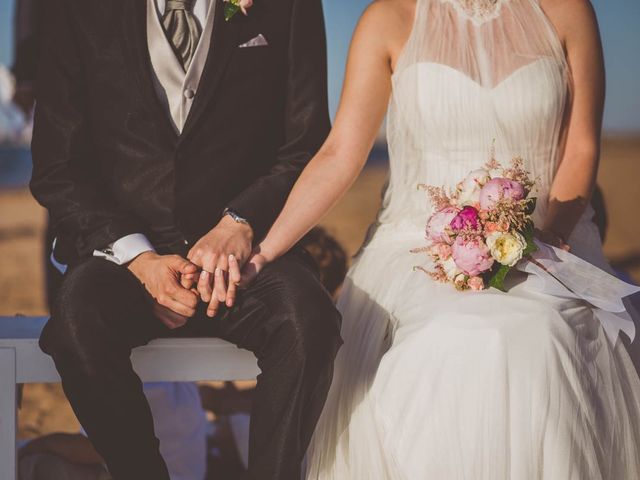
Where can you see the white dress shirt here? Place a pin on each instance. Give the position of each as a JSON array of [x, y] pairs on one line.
[[176, 89]]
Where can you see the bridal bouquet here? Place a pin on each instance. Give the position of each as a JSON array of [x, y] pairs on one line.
[[482, 228]]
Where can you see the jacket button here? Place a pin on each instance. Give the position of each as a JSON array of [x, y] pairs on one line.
[[189, 93]]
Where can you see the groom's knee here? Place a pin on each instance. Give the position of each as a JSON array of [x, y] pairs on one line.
[[306, 319], [311, 332], [76, 323]]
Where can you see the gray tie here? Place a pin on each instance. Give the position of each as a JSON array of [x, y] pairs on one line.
[[182, 29]]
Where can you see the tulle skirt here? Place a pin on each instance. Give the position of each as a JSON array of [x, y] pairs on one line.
[[432, 383]]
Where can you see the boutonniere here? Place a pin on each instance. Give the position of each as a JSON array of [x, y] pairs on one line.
[[231, 7]]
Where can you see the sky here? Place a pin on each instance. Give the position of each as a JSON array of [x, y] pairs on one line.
[[619, 24]]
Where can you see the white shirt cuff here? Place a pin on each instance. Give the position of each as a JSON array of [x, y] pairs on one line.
[[125, 249]]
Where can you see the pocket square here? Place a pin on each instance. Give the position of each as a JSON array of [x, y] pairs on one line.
[[258, 41]]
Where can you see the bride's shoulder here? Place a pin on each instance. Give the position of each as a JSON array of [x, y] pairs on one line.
[[387, 22], [394, 13], [573, 19]]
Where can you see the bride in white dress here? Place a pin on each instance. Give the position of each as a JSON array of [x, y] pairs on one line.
[[432, 383]]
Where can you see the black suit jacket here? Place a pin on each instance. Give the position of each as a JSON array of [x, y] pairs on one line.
[[107, 162]]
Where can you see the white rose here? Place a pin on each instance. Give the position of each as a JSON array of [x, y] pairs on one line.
[[497, 172], [460, 282], [450, 268], [469, 188], [506, 248]]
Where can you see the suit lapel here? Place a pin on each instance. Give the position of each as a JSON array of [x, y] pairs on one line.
[[224, 41], [136, 52]]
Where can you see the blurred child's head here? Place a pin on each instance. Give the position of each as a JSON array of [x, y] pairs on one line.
[[330, 257]]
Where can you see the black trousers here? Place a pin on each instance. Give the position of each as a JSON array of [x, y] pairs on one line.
[[285, 318]]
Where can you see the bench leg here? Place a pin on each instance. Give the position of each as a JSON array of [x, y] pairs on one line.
[[8, 430]]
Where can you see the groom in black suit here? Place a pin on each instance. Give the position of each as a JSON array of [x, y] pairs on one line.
[[167, 139]]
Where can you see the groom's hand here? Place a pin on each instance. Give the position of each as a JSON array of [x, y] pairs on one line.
[[167, 316], [160, 275], [229, 242]]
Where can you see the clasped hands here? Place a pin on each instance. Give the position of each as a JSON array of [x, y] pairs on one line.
[[220, 263]]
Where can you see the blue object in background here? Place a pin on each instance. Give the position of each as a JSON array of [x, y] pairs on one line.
[[15, 167]]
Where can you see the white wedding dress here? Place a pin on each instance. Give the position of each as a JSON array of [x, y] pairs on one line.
[[437, 384]]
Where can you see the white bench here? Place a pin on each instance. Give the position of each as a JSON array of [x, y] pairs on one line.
[[171, 360]]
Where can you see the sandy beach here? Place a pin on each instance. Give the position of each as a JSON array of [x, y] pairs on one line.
[[22, 224]]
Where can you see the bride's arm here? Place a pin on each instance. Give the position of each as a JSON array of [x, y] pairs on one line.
[[334, 168], [575, 179]]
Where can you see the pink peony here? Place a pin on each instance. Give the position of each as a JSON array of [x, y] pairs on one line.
[[438, 224], [471, 255], [498, 189], [467, 218], [476, 283]]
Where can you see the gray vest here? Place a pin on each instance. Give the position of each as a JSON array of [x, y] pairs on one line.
[[175, 87]]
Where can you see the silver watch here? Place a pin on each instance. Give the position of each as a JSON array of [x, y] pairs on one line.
[[236, 218]]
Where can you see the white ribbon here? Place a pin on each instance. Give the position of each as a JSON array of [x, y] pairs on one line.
[[562, 274]]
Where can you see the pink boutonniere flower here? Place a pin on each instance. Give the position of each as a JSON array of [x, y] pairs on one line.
[[231, 7]]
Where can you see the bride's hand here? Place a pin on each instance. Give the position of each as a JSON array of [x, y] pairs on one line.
[[244, 277], [553, 239]]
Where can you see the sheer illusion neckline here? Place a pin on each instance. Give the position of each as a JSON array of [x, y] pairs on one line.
[[478, 11]]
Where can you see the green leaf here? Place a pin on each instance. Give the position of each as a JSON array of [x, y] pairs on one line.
[[529, 235], [498, 277], [230, 9], [530, 248]]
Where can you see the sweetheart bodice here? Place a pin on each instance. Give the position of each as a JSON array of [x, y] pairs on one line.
[[506, 95], [460, 119]]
